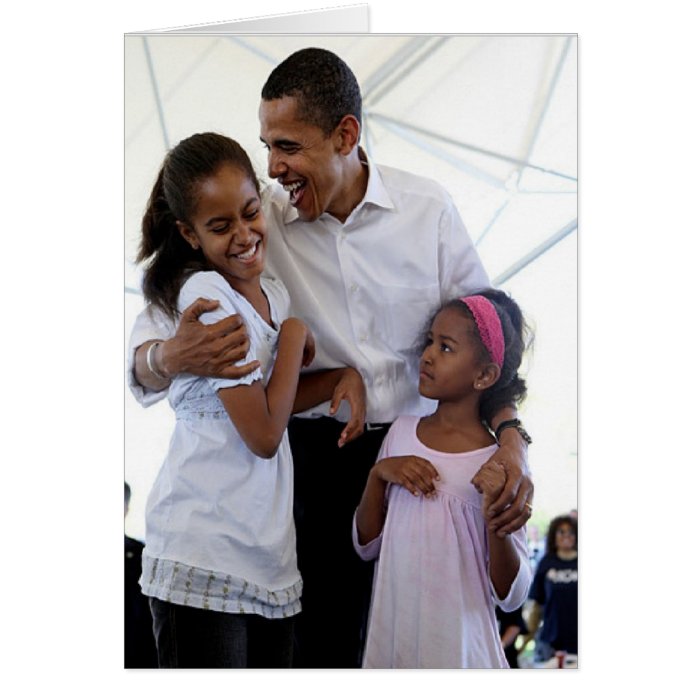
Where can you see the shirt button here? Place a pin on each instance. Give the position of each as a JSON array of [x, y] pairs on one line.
[[363, 338], [353, 288]]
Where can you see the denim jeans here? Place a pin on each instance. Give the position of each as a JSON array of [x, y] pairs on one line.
[[194, 638]]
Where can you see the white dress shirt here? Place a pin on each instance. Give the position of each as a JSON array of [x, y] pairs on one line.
[[367, 287]]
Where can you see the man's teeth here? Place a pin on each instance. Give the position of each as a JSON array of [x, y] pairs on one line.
[[292, 187]]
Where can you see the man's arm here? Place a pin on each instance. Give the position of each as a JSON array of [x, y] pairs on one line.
[[513, 507], [335, 385], [196, 348]]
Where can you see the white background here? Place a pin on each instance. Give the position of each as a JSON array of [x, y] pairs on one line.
[[62, 349]]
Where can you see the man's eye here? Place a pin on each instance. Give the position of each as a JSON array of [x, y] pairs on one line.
[[251, 214], [445, 348], [220, 229]]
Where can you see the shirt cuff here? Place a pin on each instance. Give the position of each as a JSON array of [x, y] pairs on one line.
[[368, 551], [146, 397], [517, 594]]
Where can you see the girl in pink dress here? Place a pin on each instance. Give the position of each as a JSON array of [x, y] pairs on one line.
[[440, 570]]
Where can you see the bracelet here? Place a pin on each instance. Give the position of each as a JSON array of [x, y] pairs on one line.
[[514, 423], [151, 364]]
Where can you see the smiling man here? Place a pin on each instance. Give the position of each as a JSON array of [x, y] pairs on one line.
[[366, 253]]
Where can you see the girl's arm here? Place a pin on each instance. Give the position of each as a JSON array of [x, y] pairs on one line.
[[511, 508], [261, 413], [413, 473], [507, 553], [504, 563], [335, 385]]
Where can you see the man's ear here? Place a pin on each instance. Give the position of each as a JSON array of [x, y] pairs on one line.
[[188, 234], [347, 134], [488, 376]]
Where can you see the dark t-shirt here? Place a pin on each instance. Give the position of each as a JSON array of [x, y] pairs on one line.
[[555, 587]]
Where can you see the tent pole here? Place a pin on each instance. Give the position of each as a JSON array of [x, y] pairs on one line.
[[544, 104], [467, 146], [535, 253], [154, 85]]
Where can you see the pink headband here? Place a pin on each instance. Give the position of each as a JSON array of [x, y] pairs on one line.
[[489, 325]]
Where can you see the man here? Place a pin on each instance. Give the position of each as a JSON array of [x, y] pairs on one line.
[[366, 252]]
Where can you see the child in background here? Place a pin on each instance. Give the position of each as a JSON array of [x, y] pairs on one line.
[[440, 569], [219, 563]]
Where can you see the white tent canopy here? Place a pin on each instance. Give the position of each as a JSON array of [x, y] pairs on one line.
[[492, 118]]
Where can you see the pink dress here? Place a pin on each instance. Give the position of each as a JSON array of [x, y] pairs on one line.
[[433, 605]]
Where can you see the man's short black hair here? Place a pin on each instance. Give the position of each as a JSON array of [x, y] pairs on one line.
[[324, 85]]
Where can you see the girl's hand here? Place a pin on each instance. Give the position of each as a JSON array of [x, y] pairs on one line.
[[413, 473], [509, 509], [490, 482], [350, 388]]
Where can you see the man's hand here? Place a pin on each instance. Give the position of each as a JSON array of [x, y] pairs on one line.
[[413, 473], [350, 388], [207, 350], [509, 511]]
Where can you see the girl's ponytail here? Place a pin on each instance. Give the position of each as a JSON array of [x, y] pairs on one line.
[[510, 389]]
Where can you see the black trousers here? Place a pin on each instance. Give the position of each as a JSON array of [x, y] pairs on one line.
[[328, 485], [194, 638]]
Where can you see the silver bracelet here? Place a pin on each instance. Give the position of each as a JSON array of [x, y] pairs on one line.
[[151, 364]]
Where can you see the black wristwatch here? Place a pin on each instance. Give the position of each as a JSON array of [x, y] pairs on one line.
[[514, 423]]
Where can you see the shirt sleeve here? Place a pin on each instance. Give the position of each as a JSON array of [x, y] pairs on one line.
[[521, 584], [461, 269], [150, 324], [211, 285], [371, 550]]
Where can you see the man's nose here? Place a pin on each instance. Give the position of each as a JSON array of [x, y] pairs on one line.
[[276, 166]]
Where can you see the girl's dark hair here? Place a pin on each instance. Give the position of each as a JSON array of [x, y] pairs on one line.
[[510, 389], [551, 546], [169, 258]]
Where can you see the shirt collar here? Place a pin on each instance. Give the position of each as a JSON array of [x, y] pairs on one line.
[[376, 193]]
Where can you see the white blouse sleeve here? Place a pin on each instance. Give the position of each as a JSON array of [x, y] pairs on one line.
[[211, 285]]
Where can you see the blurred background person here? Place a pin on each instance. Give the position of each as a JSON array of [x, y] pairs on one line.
[[139, 643], [554, 592]]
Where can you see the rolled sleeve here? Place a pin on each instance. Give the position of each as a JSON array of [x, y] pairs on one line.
[[150, 324], [520, 587], [369, 551]]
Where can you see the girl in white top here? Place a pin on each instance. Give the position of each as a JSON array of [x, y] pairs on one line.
[[441, 569], [219, 563]]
